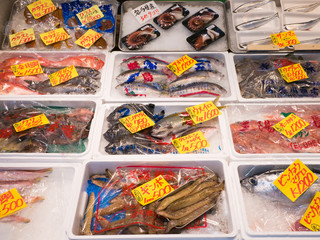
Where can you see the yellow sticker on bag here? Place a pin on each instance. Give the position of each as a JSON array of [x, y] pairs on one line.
[[311, 218], [152, 190], [40, 8], [284, 39], [11, 202], [63, 75], [182, 64], [137, 122], [27, 69], [88, 39], [89, 15], [190, 143], [22, 37], [31, 123], [203, 112], [290, 125], [54, 36], [295, 180], [293, 73]]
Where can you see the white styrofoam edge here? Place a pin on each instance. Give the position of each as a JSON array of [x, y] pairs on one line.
[[246, 232], [136, 160]]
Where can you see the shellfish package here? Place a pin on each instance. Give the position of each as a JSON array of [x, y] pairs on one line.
[[31, 127], [179, 200]]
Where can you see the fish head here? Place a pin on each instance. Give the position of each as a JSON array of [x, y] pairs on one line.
[[93, 73], [262, 183], [161, 130], [96, 62]]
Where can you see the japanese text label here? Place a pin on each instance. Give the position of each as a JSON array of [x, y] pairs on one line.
[[25, 69], [31, 123], [182, 64], [63, 75], [88, 39], [10, 202], [137, 122], [203, 112], [284, 39], [146, 11], [54, 36], [293, 73], [191, 142], [89, 15], [311, 218], [22, 37]]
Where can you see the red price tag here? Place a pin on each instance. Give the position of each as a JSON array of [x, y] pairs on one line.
[[10, 202]]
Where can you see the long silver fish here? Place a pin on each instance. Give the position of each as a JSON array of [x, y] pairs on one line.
[[304, 8], [250, 5], [140, 90], [302, 26], [263, 41], [142, 76], [206, 64], [143, 62], [255, 23], [198, 90]]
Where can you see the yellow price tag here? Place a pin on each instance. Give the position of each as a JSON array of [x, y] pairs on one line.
[[293, 73], [191, 142], [31, 123], [284, 39], [181, 65], [152, 190], [295, 180], [203, 112], [89, 15], [88, 39], [290, 125], [22, 37], [10, 202], [54, 36], [26, 69], [40, 8], [137, 122], [311, 218], [63, 75]]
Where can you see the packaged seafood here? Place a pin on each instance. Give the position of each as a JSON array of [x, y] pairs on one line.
[[72, 21], [90, 69], [171, 32], [118, 212]]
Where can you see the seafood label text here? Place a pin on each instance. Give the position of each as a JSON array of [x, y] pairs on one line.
[[203, 112], [290, 125], [146, 11], [22, 37], [137, 122], [182, 64], [31, 123], [293, 73], [295, 180], [311, 218], [191, 142], [88, 39], [284, 39], [10, 202], [40, 8], [89, 15], [63, 75], [25, 69], [54, 36], [152, 190]]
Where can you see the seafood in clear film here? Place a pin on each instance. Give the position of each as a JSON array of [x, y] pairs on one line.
[[200, 19], [170, 16]]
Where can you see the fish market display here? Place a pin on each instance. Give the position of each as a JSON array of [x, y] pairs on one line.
[[303, 8], [302, 26], [196, 201], [252, 24], [200, 19], [246, 7], [170, 16]]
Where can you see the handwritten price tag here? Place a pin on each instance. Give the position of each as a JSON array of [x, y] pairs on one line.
[[146, 11], [31, 123], [10, 202], [152, 190], [284, 39], [63, 75], [311, 218], [293, 73], [26, 69], [89, 15], [191, 142], [203, 112], [54, 36], [22, 37], [182, 64], [88, 39], [40, 8], [290, 125], [137, 122], [295, 180]]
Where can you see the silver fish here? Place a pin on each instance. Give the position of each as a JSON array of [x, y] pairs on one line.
[[302, 26], [250, 5], [143, 62], [304, 8], [199, 90], [263, 41], [139, 90], [255, 23], [206, 64]]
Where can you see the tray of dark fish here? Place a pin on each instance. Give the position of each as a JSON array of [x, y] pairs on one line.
[[146, 76], [264, 208], [170, 30], [89, 82], [45, 188], [65, 133], [258, 77], [252, 22], [65, 17], [171, 121], [199, 205]]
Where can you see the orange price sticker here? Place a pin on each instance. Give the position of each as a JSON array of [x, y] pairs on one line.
[[152, 190], [137, 122], [181, 65], [40, 8], [22, 37], [10, 202], [311, 218], [284, 39], [290, 125], [54, 36], [293, 73], [89, 38], [63, 75], [295, 180], [203, 112], [26, 69], [89, 15], [191, 142], [31, 123]]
